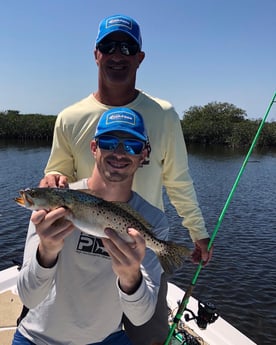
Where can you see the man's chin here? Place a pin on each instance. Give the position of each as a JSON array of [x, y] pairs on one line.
[[115, 177]]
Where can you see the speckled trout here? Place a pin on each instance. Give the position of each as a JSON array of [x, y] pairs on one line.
[[92, 215]]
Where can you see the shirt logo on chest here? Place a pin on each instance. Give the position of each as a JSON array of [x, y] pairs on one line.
[[91, 245]]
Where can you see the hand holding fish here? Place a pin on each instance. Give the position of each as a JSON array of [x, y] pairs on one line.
[[52, 229], [54, 180], [126, 258], [201, 253]]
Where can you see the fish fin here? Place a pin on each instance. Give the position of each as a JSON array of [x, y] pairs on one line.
[[172, 256], [124, 206], [127, 208]]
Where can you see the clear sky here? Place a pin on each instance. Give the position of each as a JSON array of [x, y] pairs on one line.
[[197, 51]]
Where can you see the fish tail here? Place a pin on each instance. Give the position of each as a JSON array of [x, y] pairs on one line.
[[172, 256]]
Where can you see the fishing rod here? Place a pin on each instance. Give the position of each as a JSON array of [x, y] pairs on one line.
[[189, 291]]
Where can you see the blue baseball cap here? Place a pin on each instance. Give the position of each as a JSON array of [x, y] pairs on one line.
[[124, 120], [121, 23]]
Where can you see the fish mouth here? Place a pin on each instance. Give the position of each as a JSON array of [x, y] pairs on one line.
[[20, 201], [23, 200]]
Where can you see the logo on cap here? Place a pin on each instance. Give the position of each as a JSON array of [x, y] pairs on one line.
[[121, 118], [119, 21]]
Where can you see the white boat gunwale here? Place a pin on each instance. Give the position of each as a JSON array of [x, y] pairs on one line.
[[219, 333]]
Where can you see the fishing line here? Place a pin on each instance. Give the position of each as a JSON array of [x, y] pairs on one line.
[[189, 291]]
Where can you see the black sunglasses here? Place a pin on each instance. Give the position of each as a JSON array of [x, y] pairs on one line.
[[126, 48]]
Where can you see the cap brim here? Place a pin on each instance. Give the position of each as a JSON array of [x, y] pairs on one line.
[[135, 134], [117, 30]]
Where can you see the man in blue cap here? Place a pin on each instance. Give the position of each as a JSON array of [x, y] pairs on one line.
[[118, 54], [76, 286]]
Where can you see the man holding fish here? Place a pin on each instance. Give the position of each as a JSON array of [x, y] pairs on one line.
[[77, 286]]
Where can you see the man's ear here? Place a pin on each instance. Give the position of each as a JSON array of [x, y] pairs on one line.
[[141, 56], [96, 56], [144, 155], [93, 147]]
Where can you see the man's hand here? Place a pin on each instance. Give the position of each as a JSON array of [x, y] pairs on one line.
[[126, 258], [52, 229], [201, 253], [54, 180]]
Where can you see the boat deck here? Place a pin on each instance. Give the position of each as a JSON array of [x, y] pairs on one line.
[[219, 333], [10, 309]]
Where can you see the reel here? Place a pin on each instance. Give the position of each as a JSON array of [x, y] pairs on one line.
[[207, 313]]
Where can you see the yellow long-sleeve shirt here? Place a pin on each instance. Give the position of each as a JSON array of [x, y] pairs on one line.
[[71, 156]]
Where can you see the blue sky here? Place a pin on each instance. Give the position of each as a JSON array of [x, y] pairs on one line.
[[197, 51]]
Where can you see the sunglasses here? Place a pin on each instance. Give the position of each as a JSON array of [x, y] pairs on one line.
[[126, 48], [110, 143]]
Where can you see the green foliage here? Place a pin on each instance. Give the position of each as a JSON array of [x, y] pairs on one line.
[[224, 123], [26, 127], [242, 134], [214, 123]]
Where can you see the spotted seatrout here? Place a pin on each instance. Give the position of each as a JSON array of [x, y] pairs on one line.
[[92, 215]]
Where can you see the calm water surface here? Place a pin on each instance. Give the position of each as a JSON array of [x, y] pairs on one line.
[[241, 279]]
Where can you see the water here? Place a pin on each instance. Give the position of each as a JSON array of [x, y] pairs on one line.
[[21, 166], [241, 278]]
